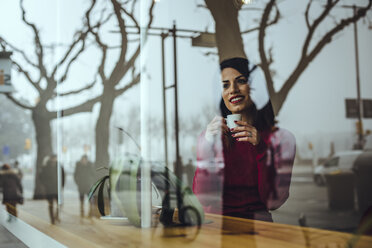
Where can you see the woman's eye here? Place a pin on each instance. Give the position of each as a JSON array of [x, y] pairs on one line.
[[225, 86], [242, 81]]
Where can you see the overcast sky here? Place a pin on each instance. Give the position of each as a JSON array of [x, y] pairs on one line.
[[314, 110]]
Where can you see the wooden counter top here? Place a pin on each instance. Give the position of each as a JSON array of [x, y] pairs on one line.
[[222, 232]]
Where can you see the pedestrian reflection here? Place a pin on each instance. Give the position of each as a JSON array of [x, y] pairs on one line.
[[189, 171], [18, 170], [84, 177], [49, 179], [12, 190], [244, 162]]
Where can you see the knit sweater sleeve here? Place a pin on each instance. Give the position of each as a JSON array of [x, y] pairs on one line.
[[275, 172], [208, 179]]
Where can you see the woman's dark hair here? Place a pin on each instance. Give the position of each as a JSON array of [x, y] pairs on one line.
[[239, 64], [264, 119]]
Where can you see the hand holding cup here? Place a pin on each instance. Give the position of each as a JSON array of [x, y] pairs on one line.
[[245, 132]]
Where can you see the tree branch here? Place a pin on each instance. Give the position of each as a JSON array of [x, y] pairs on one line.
[[202, 6], [210, 53], [27, 75], [327, 38], [84, 107], [315, 24], [87, 87], [72, 60], [103, 47], [135, 81], [276, 19], [122, 67], [81, 38], [131, 16], [38, 46], [307, 14], [265, 64], [270, 60], [116, 73], [4, 43], [17, 102], [131, 61], [250, 30]]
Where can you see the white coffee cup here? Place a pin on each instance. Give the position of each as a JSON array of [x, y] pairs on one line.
[[230, 119]]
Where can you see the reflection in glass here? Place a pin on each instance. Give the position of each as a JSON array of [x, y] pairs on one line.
[[84, 176], [10, 184], [49, 180]]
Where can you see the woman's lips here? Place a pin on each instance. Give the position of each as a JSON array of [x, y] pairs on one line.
[[236, 99]]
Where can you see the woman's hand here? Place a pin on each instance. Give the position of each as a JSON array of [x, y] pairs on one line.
[[245, 132], [215, 127]]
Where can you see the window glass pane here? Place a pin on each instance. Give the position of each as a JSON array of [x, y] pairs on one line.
[[185, 123]]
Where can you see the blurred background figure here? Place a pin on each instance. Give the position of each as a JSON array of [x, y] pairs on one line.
[[190, 171], [49, 179], [84, 176], [12, 190], [18, 170]]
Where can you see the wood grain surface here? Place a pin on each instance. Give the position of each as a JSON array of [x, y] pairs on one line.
[[220, 232]]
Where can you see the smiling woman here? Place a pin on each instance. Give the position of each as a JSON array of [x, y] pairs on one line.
[[235, 90], [243, 177]]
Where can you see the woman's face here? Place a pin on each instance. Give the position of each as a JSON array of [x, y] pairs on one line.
[[235, 91]]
